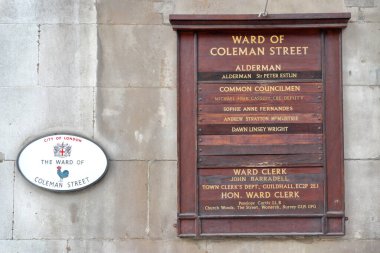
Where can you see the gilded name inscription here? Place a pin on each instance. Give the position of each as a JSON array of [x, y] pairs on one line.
[[250, 189], [269, 88], [262, 50]]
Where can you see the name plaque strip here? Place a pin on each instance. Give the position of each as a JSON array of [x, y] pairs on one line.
[[293, 76], [259, 88], [307, 128], [259, 118], [214, 98], [260, 107]]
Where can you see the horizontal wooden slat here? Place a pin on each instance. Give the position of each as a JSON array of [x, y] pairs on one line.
[[259, 88], [260, 149], [261, 107], [264, 139], [240, 226], [214, 98], [259, 118], [291, 76], [261, 161], [260, 129]]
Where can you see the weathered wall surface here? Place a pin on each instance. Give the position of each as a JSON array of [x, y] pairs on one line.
[[106, 69]]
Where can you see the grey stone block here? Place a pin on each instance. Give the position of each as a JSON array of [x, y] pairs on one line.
[[19, 55], [362, 122], [28, 113], [368, 15], [114, 208], [137, 246], [371, 14], [48, 11], [6, 199], [163, 200], [361, 54], [360, 3], [308, 245], [255, 7], [128, 12], [137, 123], [137, 56], [362, 190], [68, 55], [40, 246]]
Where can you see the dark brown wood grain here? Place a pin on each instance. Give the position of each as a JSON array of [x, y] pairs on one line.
[[234, 149], [265, 95], [258, 88], [262, 226], [249, 99], [265, 139], [288, 160], [254, 21], [334, 129], [222, 119], [187, 128], [260, 129], [216, 51], [261, 107]]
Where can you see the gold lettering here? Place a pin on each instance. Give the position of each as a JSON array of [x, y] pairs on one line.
[[299, 50], [235, 89], [253, 39], [230, 195], [256, 195], [287, 195], [231, 119], [245, 172]]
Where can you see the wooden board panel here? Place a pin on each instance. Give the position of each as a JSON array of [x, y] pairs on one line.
[[260, 125], [265, 191]]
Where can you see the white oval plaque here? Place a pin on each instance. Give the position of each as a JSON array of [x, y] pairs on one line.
[[62, 162]]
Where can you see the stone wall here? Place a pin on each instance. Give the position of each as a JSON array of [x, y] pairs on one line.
[[106, 69]]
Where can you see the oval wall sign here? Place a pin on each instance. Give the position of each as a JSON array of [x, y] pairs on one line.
[[62, 162]]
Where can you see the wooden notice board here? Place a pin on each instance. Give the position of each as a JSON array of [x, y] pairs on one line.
[[260, 135]]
